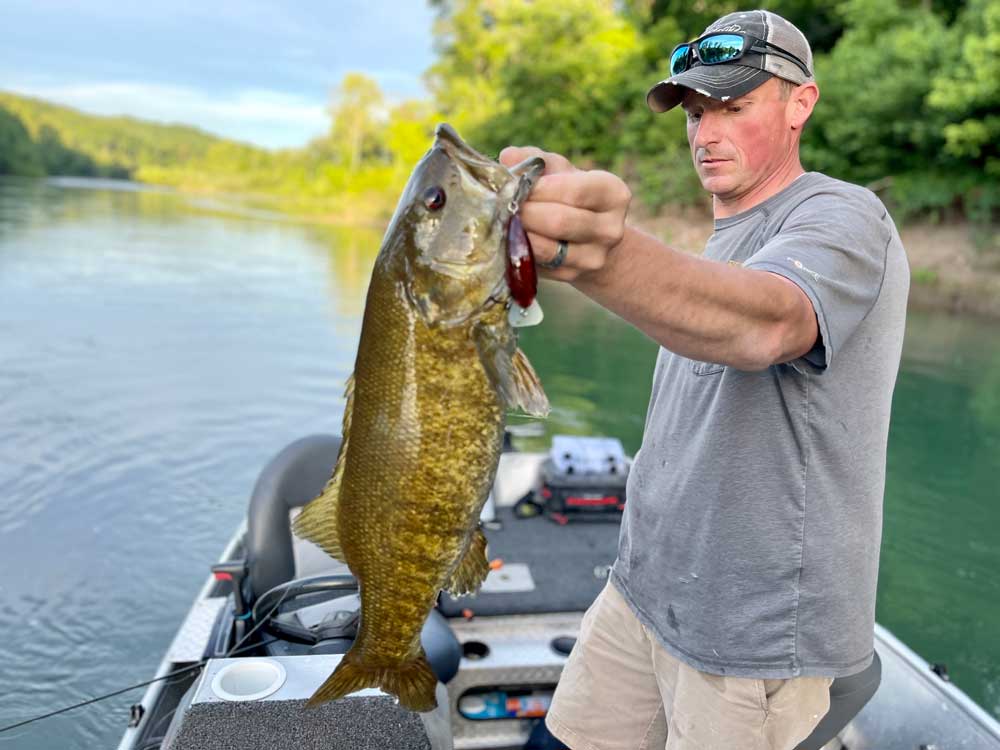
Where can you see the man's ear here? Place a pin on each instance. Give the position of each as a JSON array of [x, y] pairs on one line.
[[801, 103]]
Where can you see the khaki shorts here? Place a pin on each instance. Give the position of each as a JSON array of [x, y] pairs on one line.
[[621, 690]]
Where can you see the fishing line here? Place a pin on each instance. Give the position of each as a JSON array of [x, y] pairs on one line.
[[183, 670]]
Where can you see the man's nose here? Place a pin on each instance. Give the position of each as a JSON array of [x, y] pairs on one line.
[[708, 130]]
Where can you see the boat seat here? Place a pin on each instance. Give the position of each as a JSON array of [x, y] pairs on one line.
[[275, 555], [289, 480]]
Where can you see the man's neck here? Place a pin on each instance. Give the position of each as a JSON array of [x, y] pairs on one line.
[[777, 181]]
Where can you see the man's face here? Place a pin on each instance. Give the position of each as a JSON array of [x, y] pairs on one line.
[[738, 144]]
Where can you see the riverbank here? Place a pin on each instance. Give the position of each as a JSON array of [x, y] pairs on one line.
[[950, 270]]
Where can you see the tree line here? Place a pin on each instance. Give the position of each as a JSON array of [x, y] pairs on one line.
[[910, 106]]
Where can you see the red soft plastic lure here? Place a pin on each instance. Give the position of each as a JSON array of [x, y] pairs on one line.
[[522, 278]]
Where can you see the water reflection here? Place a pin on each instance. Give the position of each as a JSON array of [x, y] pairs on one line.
[[595, 369], [351, 254]]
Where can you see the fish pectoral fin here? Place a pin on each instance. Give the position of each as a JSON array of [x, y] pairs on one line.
[[525, 388], [413, 682], [472, 568], [510, 371], [318, 520]]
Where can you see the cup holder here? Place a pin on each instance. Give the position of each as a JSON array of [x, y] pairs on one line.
[[563, 644], [475, 650], [248, 680]]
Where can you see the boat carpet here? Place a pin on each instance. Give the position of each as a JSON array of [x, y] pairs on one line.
[[568, 566], [368, 721]]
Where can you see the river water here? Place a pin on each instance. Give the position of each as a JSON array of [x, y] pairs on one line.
[[156, 350]]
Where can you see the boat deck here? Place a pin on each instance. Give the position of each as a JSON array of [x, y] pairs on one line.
[[546, 566]]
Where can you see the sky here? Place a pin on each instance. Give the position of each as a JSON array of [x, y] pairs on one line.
[[260, 71]]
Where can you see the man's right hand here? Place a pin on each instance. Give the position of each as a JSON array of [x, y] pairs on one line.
[[699, 308], [586, 208]]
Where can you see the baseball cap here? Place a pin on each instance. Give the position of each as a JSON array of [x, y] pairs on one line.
[[728, 80]]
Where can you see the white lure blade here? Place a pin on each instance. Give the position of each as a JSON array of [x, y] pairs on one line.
[[521, 317]]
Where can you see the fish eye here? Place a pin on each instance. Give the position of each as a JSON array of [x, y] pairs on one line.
[[434, 198]]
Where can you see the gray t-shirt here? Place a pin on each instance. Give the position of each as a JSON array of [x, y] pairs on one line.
[[750, 541]]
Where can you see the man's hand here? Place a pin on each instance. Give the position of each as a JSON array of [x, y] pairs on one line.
[[698, 308], [587, 209]]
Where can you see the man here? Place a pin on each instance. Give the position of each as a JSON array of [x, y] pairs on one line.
[[746, 570]]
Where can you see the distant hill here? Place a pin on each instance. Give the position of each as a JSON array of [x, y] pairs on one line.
[[41, 138], [67, 141], [353, 173]]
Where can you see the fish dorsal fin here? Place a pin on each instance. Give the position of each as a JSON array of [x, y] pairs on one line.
[[510, 370], [472, 569], [318, 520]]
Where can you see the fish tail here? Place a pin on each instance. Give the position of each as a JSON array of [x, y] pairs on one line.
[[413, 682]]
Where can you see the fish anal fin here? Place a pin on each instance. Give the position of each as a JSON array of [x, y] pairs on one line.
[[318, 520], [472, 569], [413, 682]]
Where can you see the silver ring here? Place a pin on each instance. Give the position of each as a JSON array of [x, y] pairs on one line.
[[560, 256]]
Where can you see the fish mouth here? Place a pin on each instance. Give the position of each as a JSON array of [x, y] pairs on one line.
[[452, 142], [445, 133]]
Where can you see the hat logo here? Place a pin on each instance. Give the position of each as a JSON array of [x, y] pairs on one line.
[[730, 27]]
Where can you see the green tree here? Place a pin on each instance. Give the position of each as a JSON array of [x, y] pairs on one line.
[[968, 93], [409, 132], [818, 20], [58, 159], [653, 154], [550, 72], [357, 109], [873, 124], [472, 51], [18, 155]]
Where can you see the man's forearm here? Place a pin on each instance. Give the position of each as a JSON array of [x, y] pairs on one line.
[[699, 308]]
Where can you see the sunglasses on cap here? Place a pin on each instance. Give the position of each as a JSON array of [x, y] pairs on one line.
[[715, 49]]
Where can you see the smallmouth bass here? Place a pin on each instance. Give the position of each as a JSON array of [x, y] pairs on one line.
[[437, 368]]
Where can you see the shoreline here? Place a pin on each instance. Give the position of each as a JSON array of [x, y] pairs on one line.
[[948, 272]]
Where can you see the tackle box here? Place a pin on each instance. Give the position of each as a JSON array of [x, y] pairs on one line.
[[583, 478]]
